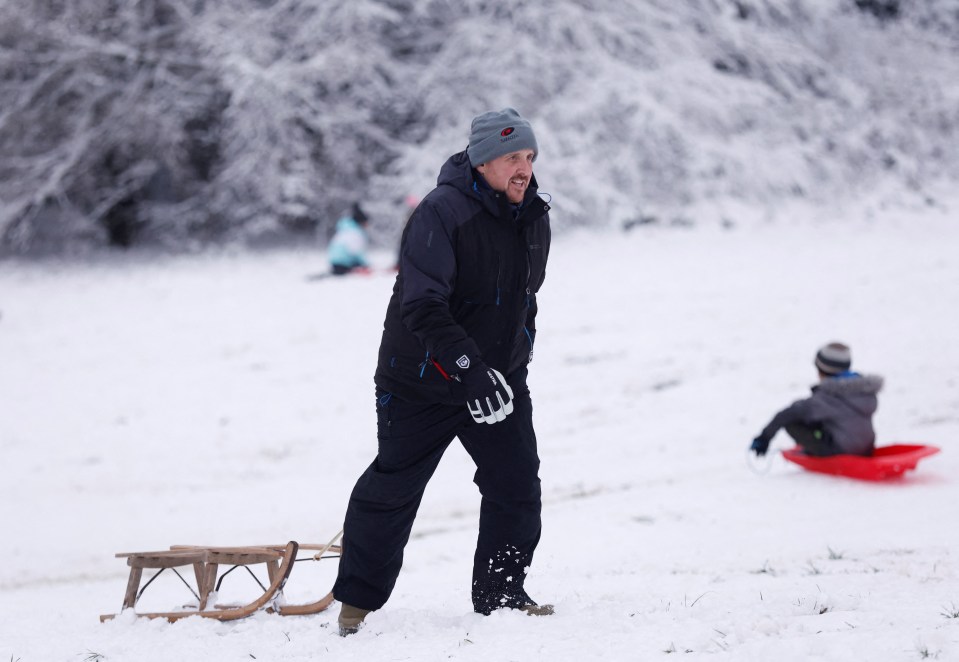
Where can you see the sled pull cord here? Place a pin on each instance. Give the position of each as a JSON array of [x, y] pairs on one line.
[[757, 466], [326, 547]]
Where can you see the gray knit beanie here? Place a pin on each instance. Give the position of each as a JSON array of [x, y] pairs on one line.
[[834, 358], [499, 132]]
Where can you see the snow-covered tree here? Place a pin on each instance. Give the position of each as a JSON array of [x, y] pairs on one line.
[[176, 122], [105, 132]]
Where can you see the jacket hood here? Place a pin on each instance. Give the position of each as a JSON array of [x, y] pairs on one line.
[[858, 391], [859, 385]]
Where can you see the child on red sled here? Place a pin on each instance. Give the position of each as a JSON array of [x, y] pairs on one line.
[[837, 417]]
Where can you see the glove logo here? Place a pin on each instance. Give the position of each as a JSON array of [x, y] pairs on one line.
[[463, 362]]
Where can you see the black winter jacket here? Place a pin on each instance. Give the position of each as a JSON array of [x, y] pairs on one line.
[[470, 267], [841, 406]]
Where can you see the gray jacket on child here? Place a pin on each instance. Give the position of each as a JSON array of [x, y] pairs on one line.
[[841, 406]]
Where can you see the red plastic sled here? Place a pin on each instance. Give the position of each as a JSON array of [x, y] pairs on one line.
[[885, 462]]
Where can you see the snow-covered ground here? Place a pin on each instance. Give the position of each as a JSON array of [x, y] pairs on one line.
[[227, 400]]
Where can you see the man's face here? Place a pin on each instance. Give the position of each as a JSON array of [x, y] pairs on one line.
[[509, 174]]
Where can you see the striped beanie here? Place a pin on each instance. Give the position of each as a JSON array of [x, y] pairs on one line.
[[834, 358]]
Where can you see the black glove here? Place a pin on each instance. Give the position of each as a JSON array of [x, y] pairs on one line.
[[760, 446], [488, 396]]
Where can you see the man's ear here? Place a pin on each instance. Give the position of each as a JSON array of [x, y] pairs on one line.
[[481, 168]]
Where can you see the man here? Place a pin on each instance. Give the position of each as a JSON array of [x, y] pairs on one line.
[[457, 339], [837, 418]]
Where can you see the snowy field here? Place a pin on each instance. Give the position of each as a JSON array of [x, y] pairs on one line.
[[226, 400]]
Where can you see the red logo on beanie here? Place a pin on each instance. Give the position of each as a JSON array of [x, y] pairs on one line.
[[505, 132]]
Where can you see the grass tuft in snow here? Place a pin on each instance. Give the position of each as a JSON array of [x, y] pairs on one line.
[[672, 649], [721, 644], [765, 570], [951, 611], [925, 653], [693, 603]]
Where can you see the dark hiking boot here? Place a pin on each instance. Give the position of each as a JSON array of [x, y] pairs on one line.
[[487, 602], [350, 619]]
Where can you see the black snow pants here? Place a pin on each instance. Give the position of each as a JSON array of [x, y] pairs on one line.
[[411, 440]]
